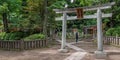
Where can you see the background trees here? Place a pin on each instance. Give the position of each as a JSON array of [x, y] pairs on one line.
[[37, 16], [9, 10]]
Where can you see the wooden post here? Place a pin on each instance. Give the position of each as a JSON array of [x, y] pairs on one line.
[[21, 44], [117, 40]]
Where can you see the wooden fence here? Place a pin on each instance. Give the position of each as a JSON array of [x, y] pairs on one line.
[[112, 40], [22, 45]]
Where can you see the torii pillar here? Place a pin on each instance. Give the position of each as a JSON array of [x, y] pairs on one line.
[[64, 27], [99, 53]]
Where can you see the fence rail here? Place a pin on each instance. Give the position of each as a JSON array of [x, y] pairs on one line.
[[112, 40], [22, 45]]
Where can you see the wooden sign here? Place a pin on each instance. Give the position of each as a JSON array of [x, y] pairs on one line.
[[79, 12]]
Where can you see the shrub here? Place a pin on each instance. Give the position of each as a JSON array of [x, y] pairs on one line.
[[35, 37], [109, 31], [113, 31], [11, 36], [6, 37], [2, 34]]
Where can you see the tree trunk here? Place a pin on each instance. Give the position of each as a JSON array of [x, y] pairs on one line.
[[45, 18], [5, 22]]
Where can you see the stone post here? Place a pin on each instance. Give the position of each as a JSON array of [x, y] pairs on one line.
[[64, 24], [100, 54]]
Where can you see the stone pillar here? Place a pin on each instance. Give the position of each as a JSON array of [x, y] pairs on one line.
[[99, 30], [64, 26], [99, 53]]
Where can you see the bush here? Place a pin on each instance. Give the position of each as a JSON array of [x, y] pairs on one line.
[[6, 37], [109, 32], [113, 31], [2, 34], [11, 36], [35, 37]]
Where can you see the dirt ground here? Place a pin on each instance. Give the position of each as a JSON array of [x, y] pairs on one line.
[[110, 57], [112, 52], [50, 53]]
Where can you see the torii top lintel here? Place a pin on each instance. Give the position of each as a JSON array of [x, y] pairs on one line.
[[71, 10]]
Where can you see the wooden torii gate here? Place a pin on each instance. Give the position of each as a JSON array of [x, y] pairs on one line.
[[99, 15]]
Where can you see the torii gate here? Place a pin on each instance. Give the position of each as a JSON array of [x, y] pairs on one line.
[[99, 15]]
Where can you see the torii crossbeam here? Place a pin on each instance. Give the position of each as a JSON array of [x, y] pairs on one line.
[[99, 15], [84, 17]]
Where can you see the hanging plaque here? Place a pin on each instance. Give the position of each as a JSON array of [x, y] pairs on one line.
[[79, 12]]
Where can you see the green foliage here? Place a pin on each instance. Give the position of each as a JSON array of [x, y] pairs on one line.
[[35, 37], [11, 36], [4, 8], [116, 15], [7, 36], [2, 34], [113, 32], [29, 14], [58, 4], [109, 32], [74, 26]]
